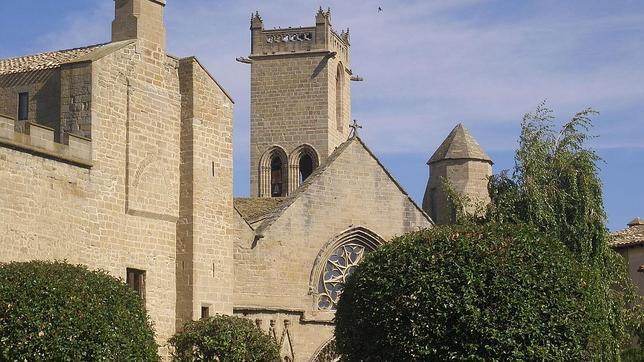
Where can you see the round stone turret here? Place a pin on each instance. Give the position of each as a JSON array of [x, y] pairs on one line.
[[461, 162]]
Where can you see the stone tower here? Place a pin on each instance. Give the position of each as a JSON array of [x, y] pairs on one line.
[[462, 162], [300, 101]]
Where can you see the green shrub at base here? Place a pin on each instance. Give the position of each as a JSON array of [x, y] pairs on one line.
[[60, 312], [223, 338], [473, 293]]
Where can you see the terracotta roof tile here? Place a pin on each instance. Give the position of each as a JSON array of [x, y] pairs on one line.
[[632, 236], [48, 60]]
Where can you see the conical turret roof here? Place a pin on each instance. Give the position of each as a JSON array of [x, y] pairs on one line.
[[459, 145]]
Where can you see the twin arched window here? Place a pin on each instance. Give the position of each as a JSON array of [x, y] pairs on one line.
[[281, 175]]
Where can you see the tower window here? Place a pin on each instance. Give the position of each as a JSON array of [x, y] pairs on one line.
[[339, 98], [23, 106], [136, 281], [306, 167], [277, 177]]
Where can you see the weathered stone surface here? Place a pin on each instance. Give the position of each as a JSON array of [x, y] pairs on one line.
[[126, 162], [462, 163]]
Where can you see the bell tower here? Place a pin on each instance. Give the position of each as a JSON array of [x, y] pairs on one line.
[[300, 101]]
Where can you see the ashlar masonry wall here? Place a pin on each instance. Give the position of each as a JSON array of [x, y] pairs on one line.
[[205, 227], [121, 212], [273, 274]]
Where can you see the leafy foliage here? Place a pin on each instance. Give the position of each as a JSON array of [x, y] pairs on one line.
[[555, 188], [555, 184], [223, 338], [492, 292], [530, 278], [63, 312]]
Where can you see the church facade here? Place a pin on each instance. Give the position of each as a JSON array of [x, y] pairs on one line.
[[119, 156]]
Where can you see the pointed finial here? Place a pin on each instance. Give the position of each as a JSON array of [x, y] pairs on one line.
[[320, 11], [354, 129], [256, 21]]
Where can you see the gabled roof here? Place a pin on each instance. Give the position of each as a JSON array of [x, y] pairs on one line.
[[48, 60], [632, 236], [459, 145], [253, 209], [52, 60], [273, 215]]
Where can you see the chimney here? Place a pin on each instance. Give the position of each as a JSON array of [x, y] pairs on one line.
[[139, 19]]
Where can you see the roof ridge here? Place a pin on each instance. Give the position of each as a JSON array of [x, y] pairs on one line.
[[56, 51], [289, 200], [46, 60], [273, 216]]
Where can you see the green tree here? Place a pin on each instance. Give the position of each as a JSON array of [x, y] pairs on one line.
[[474, 292], [555, 184], [55, 311], [532, 277], [555, 188], [223, 338]]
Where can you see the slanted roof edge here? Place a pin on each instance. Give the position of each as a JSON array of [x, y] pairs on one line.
[[273, 216]]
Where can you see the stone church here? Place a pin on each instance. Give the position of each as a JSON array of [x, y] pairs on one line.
[[119, 156]]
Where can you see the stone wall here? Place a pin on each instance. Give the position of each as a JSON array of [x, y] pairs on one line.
[[204, 230], [275, 272], [467, 177], [120, 211], [44, 97], [76, 99], [634, 257]]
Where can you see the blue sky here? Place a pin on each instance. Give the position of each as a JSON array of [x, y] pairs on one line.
[[427, 66]]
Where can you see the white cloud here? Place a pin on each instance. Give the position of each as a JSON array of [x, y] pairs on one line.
[[430, 64]]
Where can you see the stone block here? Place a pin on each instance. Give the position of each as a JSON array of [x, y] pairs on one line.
[[79, 147], [41, 136]]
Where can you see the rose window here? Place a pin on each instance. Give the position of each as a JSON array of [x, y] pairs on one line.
[[339, 266]]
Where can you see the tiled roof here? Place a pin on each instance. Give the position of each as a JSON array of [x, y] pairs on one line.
[[49, 60], [459, 145], [254, 208], [632, 236]]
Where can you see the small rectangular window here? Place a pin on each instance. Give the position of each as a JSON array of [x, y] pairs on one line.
[[23, 106], [205, 312], [136, 281]]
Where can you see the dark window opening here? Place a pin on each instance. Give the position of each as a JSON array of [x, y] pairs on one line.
[[339, 98], [23, 106], [306, 167], [277, 177], [205, 312], [136, 281]]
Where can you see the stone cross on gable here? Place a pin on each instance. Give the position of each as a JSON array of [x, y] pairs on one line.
[[354, 129]]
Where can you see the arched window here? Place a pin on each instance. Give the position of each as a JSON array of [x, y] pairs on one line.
[[339, 97], [338, 261], [306, 167], [277, 177], [273, 177], [302, 162]]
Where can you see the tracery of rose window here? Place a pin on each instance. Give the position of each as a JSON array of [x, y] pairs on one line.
[[338, 267]]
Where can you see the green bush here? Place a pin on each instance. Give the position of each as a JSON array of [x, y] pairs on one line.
[[61, 312], [223, 338], [478, 293]]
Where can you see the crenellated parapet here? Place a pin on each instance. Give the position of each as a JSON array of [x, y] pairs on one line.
[[39, 140], [318, 38]]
